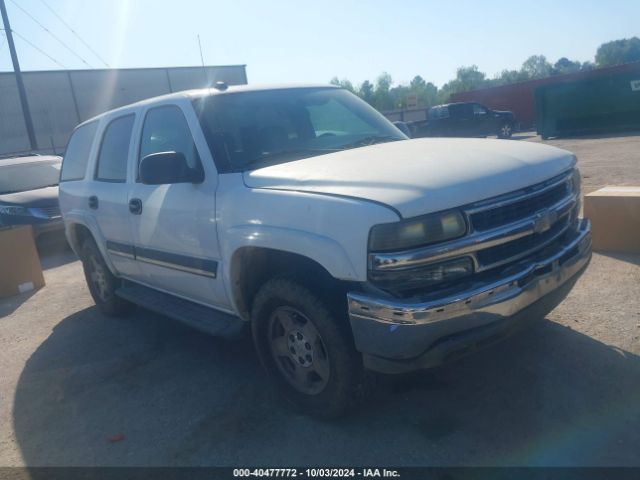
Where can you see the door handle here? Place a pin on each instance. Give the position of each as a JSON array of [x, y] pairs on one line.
[[135, 206], [93, 202]]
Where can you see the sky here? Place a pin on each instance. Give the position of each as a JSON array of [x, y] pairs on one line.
[[283, 41]]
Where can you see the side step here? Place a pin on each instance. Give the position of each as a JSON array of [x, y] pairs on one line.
[[198, 316]]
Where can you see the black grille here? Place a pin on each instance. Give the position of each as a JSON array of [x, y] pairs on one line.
[[509, 250], [512, 212]]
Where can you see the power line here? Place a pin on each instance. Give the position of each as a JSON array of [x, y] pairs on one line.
[[4, 40], [38, 49], [50, 33], [75, 33]]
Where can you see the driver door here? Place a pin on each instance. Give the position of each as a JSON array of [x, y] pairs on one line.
[[174, 225]]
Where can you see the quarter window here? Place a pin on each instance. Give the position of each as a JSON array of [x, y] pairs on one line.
[[166, 130], [114, 151], [77, 154]]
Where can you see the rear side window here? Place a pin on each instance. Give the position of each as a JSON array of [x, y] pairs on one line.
[[76, 157], [114, 151]]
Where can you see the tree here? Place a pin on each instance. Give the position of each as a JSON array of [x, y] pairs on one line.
[[426, 92], [469, 78], [618, 51], [536, 66], [564, 65], [382, 98], [417, 84], [344, 83], [511, 76], [366, 92]]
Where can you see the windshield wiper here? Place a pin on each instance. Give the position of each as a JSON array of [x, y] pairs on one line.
[[371, 140]]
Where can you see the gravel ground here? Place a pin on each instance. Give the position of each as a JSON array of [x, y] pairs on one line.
[[603, 160], [78, 388]]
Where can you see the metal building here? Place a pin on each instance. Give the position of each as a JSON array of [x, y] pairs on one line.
[[60, 99]]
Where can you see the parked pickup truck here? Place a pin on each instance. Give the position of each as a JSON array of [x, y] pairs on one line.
[[469, 119], [305, 215]]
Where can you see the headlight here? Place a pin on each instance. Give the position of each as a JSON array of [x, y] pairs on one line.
[[13, 210], [417, 232]]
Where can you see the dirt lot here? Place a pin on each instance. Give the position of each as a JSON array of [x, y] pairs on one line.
[[78, 388], [603, 160]]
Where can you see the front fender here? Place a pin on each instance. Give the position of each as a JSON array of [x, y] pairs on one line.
[[323, 250]]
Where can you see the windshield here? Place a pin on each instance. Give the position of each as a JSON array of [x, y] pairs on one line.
[[28, 176], [246, 130]]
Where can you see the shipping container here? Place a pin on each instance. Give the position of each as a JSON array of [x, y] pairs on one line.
[[520, 97], [604, 103]]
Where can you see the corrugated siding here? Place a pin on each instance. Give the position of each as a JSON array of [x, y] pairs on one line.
[[13, 134], [59, 100]]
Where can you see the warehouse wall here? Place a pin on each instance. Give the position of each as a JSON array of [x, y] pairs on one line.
[[59, 100]]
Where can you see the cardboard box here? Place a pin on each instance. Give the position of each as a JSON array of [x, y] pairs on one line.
[[615, 215], [20, 269]]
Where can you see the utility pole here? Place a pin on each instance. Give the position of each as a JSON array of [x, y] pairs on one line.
[[28, 122]]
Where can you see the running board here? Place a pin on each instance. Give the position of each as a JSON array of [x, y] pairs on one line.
[[206, 319]]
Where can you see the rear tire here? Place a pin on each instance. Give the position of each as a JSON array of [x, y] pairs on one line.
[[306, 350], [101, 282], [505, 130]]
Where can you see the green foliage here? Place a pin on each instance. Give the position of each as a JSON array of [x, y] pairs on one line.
[[536, 66], [384, 95], [618, 51], [564, 65]]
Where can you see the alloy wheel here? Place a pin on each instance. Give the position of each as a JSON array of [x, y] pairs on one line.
[[298, 350]]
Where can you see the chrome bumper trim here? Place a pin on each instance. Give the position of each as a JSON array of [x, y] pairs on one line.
[[504, 297]]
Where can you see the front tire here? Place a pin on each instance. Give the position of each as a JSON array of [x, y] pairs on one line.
[[505, 130], [306, 350], [101, 282]]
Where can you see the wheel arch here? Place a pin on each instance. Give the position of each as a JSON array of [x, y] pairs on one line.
[[251, 267]]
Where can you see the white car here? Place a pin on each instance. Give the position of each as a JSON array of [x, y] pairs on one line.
[[304, 213]]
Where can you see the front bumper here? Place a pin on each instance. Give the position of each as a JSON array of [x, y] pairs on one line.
[[396, 336]]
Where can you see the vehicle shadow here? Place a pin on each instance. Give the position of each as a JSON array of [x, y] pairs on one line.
[[145, 390], [54, 251]]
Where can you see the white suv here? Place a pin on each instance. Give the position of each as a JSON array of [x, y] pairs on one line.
[[305, 214]]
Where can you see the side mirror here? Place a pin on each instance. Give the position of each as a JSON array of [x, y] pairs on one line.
[[168, 167], [404, 128]]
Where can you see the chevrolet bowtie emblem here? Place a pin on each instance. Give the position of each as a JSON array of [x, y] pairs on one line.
[[542, 221]]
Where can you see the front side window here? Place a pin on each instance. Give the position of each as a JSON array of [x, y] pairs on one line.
[[246, 130], [437, 113], [166, 130], [114, 151], [77, 154], [461, 110]]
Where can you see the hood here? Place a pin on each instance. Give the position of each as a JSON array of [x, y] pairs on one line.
[[41, 197], [422, 175]]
